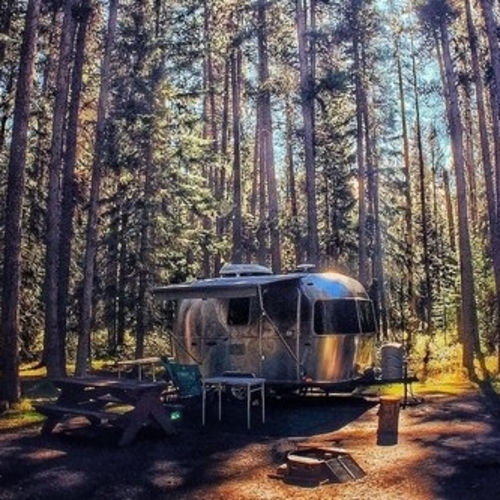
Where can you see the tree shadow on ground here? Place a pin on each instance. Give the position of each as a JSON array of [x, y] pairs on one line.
[[464, 441], [293, 416], [83, 461]]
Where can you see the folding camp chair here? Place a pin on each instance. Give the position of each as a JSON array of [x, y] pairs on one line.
[[185, 380]]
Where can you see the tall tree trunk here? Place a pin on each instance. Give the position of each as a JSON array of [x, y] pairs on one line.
[[111, 280], [237, 254], [68, 178], [481, 116], [424, 212], [307, 106], [260, 185], [148, 175], [121, 308], [378, 279], [144, 252], [409, 237], [291, 186], [55, 348], [363, 271], [85, 320], [495, 245], [222, 188], [468, 301], [487, 7], [266, 136], [209, 130], [10, 387]]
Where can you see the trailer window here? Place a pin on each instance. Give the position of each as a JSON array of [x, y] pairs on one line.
[[238, 311], [280, 303], [367, 316], [335, 317]]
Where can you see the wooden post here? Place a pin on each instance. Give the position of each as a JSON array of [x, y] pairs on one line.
[[388, 420]]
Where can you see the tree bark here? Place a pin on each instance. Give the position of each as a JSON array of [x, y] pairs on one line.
[[363, 272], [409, 237], [487, 7], [54, 352], [10, 387], [424, 212], [307, 106], [481, 116], [209, 133], [265, 139], [85, 319], [237, 254], [468, 301], [68, 177], [291, 186]]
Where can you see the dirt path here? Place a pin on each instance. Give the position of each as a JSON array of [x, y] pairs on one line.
[[448, 448]]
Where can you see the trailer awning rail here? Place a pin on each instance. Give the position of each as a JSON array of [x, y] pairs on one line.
[[221, 288]]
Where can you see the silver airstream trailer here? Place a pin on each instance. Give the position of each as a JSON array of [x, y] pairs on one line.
[[297, 330]]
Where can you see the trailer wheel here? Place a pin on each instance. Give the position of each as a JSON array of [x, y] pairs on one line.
[[238, 393]]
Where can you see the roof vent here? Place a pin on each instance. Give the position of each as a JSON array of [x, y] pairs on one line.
[[232, 270], [305, 268]]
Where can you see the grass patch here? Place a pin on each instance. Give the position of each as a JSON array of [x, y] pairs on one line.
[[34, 388], [19, 416]]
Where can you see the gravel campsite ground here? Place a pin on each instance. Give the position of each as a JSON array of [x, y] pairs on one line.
[[448, 447]]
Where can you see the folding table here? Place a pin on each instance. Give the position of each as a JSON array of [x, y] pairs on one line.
[[252, 385]]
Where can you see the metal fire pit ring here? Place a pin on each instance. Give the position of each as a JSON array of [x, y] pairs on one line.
[[318, 465]]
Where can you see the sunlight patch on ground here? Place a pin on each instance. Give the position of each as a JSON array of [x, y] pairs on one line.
[[450, 383], [44, 454]]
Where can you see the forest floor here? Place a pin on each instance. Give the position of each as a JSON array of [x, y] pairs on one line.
[[448, 447]]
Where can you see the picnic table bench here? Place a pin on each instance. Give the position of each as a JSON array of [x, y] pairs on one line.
[[128, 403]]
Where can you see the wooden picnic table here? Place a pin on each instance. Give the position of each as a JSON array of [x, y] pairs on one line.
[[128, 403], [140, 364]]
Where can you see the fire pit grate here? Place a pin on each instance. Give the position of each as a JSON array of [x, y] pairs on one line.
[[313, 466]]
